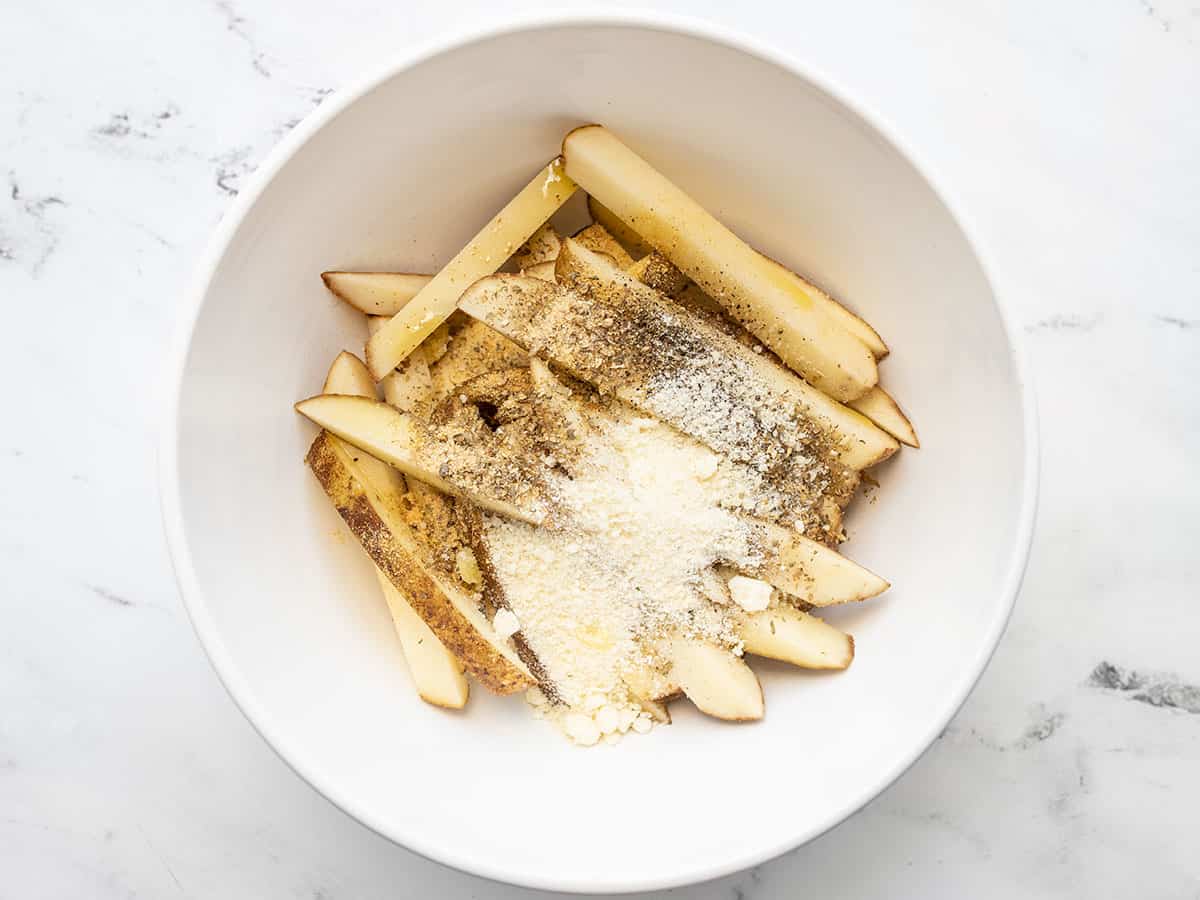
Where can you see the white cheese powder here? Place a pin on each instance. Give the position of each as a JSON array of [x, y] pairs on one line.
[[644, 523]]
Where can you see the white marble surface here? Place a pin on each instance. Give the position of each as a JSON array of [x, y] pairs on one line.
[[1071, 132]]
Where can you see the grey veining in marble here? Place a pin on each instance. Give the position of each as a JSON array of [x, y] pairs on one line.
[[1070, 133]]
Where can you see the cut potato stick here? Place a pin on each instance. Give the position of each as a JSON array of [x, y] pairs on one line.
[[716, 681], [554, 319], [541, 247], [596, 238], [401, 440], [842, 316], [437, 674], [774, 307], [630, 239], [485, 253], [375, 293], [810, 571], [789, 635], [408, 387], [347, 375], [878, 406], [373, 512]]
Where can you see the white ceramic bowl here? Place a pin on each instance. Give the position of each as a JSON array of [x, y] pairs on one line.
[[397, 172]]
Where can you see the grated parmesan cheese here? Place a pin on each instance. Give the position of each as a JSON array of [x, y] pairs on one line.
[[598, 596]]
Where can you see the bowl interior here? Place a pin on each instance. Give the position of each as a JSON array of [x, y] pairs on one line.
[[287, 604]]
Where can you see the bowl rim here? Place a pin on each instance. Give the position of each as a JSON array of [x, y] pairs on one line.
[[177, 360]]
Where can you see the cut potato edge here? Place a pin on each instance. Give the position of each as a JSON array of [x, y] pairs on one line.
[[879, 406], [812, 572], [375, 293], [793, 636], [436, 672], [717, 682]]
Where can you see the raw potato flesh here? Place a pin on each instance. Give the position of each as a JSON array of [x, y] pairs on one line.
[[811, 571], [347, 375], [716, 681], [416, 449], [792, 636], [438, 676], [771, 305], [436, 672], [878, 406], [483, 255], [630, 239], [532, 312], [374, 515], [842, 316], [597, 239], [668, 279], [375, 293], [474, 350], [409, 386], [542, 270], [541, 247]]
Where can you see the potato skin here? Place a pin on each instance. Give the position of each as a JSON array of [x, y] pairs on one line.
[[404, 569]]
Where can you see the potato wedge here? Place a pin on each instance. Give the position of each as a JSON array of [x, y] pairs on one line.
[[436, 673], [373, 513], [406, 443], [483, 255], [792, 636], [774, 307], [878, 406], [553, 318], [375, 293], [716, 681], [812, 572], [630, 239]]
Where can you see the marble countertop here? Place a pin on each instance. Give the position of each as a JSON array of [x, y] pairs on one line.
[[1069, 130]]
